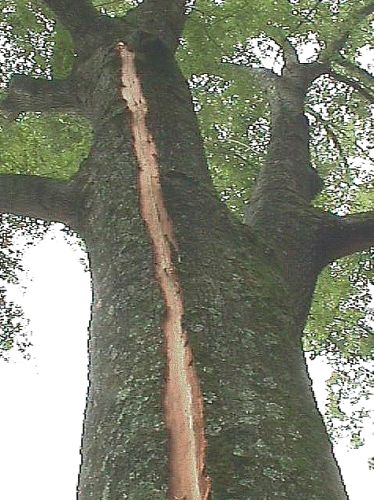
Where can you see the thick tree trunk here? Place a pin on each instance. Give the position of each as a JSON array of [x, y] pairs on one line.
[[264, 434]]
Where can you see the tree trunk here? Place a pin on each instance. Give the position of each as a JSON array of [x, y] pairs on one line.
[[263, 433], [198, 383]]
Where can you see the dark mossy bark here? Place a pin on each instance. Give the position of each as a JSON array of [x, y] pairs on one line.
[[264, 434], [246, 288]]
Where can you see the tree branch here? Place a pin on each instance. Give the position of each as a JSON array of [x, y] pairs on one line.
[[288, 159], [346, 235], [38, 197], [363, 74], [330, 132], [36, 94], [265, 76], [361, 89], [306, 73]]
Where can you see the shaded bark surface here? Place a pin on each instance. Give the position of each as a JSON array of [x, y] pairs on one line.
[[39, 197], [264, 434], [246, 288]]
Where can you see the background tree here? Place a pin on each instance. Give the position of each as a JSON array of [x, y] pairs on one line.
[[179, 281]]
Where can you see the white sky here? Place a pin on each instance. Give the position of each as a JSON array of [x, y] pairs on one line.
[[43, 399]]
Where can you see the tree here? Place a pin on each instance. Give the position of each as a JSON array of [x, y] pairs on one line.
[[198, 383]]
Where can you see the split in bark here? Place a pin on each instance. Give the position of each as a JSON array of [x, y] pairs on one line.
[[183, 398]]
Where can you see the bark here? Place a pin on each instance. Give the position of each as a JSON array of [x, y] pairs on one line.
[[280, 208], [38, 197], [238, 295], [347, 235], [164, 19], [31, 94]]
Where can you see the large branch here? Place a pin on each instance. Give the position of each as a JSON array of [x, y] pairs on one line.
[[346, 235], [38, 197], [288, 166], [36, 94]]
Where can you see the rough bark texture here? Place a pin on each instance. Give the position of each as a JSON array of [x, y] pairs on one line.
[[246, 289], [39, 197]]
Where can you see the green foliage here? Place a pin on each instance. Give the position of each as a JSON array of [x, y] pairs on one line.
[[26, 45], [114, 8], [63, 53], [53, 146], [13, 326], [32, 41], [349, 387], [50, 146], [340, 328], [338, 321]]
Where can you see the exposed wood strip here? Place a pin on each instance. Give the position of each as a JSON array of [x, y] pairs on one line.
[[183, 399]]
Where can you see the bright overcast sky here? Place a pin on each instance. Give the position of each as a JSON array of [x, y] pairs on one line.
[[43, 399]]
